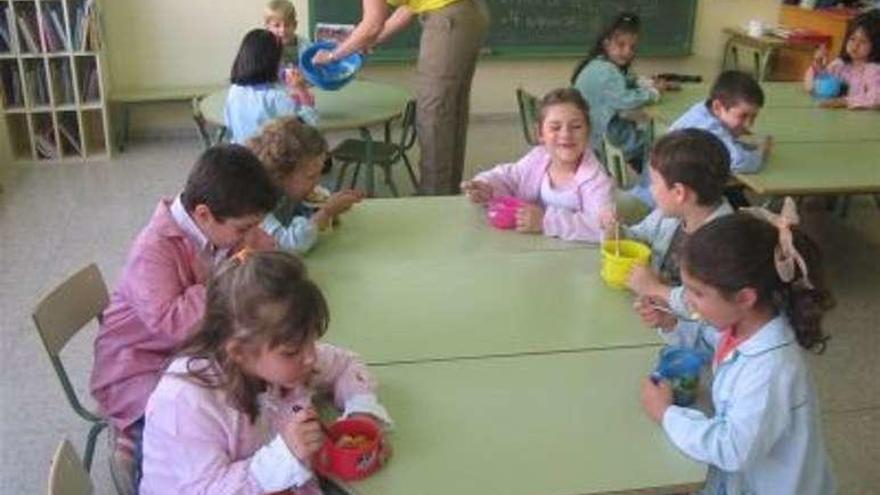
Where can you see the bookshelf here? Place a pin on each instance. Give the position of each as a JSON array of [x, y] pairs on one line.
[[52, 84]]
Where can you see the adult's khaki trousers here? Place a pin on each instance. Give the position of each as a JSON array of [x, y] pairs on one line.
[[450, 43]]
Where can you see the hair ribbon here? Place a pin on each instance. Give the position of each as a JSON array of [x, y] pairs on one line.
[[786, 257]]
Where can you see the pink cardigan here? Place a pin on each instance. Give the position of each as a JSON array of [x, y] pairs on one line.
[[523, 180], [864, 84], [195, 442], [157, 303]]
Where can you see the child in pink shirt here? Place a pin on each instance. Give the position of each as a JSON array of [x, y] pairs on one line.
[[858, 65], [233, 411], [160, 297], [567, 191]]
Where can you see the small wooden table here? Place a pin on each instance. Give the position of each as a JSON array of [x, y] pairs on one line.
[[764, 48]]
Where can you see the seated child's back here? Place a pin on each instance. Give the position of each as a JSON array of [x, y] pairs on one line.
[[255, 96]]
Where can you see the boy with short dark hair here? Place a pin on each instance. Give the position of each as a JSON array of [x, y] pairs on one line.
[[689, 169], [160, 297], [733, 105]]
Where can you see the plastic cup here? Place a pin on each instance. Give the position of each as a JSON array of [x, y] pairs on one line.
[[356, 461], [681, 367], [618, 259], [826, 86], [502, 211]]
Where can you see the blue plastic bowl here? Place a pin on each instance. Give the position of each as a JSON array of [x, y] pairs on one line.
[[827, 86], [681, 367], [330, 76]]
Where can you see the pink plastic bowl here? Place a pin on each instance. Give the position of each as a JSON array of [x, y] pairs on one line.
[[502, 211]]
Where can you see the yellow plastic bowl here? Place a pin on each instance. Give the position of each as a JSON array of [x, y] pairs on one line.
[[616, 267]]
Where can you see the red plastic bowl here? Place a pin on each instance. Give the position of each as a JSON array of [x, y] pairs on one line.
[[502, 211], [352, 463]]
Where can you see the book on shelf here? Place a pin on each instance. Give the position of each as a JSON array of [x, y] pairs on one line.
[[28, 34], [91, 89], [66, 83], [70, 136], [56, 15], [10, 29], [11, 85], [51, 43], [45, 144]]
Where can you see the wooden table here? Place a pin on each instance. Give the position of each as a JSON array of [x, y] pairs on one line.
[[552, 424]]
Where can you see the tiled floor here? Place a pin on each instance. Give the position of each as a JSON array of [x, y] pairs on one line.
[[54, 219]]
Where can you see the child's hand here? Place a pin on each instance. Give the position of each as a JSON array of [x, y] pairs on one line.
[[342, 201], [656, 398], [477, 191], [643, 281], [303, 434], [766, 146], [648, 312], [257, 239], [609, 222], [833, 103], [820, 58], [367, 417], [335, 205], [322, 57], [294, 79], [530, 219]]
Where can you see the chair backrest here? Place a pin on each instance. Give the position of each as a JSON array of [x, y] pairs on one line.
[[408, 126], [67, 475], [65, 311], [201, 122], [615, 163], [528, 114]]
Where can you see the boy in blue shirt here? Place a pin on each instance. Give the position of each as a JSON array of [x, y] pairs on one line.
[[733, 105]]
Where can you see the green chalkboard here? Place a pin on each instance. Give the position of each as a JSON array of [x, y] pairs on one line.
[[541, 28]]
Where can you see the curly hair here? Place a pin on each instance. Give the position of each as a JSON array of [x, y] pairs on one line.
[[285, 144]]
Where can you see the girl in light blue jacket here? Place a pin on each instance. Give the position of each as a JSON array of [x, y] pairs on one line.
[[759, 281]]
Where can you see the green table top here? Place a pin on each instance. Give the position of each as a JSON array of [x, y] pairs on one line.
[[475, 306], [811, 125], [393, 230], [360, 103], [776, 95], [819, 168], [545, 424]]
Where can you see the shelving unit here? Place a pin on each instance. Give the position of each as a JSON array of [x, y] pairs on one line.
[[52, 84]]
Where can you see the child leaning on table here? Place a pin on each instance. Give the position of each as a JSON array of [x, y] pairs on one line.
[[233, 411], [255, 97], [567, 192], [858, 65], [293, 154], [759, 282], [688, 169], [160, 296]]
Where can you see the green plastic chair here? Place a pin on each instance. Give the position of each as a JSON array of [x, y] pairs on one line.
[[58, 317], [202, 125], [384, 154], [615, 165], [528, 114], [67, 475]]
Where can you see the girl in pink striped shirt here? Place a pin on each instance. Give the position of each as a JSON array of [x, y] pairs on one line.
[[858, 65]]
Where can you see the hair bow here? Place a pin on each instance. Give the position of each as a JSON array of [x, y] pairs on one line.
[[786, 257]]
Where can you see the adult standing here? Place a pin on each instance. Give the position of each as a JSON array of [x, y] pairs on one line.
[[452, 33]]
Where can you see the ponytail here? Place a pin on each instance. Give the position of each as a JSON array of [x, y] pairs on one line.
[[625, 22], [741, 250]]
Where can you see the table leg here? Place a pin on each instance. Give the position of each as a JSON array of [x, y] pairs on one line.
[[122, 135], [368, 161]]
